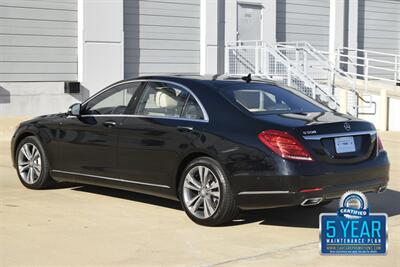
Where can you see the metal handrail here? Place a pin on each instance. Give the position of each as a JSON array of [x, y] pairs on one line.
[[364, 59], [308, 68], [369, 51], [260, 52], [330, 67], [334, 74], [306, 77]]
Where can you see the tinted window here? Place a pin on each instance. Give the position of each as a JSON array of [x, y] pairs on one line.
[[162, 100], [113, 101], [263, 98], [192, 110]]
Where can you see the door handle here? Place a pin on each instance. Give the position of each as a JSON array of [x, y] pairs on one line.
[[185, 129], [109, 123]]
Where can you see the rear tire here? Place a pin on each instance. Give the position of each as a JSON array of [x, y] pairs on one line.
[[205, 193], [32, 164]]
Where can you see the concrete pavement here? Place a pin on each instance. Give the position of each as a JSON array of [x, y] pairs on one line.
[[90, 226]]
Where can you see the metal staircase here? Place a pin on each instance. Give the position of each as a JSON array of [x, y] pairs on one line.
[[330, 75], [298, 65]]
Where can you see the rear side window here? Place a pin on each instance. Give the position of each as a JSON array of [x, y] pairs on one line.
[[169, 100], [162, 100], [192, 110], [263, 98]]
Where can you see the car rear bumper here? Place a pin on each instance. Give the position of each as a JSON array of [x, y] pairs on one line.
[[271, 199], [270, 191]]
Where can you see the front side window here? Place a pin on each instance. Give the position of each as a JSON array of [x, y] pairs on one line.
[[162, 100], [113, 101]]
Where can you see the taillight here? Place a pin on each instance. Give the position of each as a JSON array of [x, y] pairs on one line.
[[285, 145], [380, 144]]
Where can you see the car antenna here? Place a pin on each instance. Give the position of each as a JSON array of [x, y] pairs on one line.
[[247, 78]]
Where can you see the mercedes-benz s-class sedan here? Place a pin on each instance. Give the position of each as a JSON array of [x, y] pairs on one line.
[[218, 146]]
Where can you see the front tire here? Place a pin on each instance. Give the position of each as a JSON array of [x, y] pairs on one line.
[[205, 193], [32, 165]]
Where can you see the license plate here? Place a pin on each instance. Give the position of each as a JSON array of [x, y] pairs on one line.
[[344, 144]]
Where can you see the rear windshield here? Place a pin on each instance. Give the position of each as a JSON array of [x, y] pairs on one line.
[[261, 98]]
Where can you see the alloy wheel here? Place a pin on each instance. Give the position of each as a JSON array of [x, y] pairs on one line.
[[29, 163], [201, 192]]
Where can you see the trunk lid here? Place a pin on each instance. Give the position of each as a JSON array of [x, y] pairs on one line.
[[330, 137]]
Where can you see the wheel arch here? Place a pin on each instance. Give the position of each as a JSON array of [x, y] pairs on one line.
[[19, 139], [184, 162]]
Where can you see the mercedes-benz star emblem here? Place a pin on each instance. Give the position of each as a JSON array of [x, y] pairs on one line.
[[347, 126]]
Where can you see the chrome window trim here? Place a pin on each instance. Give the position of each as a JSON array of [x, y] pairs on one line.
[[262, 192], [205, 114], [140, 116], [112, 179], [321, 136]]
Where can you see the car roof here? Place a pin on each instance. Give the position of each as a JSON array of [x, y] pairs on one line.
[[215, 81]]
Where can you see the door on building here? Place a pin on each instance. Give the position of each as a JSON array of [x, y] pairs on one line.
[[249, 21], [249, 18]]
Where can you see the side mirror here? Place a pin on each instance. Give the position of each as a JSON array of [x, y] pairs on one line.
[[74, 110]]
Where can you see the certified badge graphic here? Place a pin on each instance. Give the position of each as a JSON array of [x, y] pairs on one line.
[[353, 205], [353, 229]]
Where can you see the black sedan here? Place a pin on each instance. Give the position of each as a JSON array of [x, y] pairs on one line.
[[218, 146]]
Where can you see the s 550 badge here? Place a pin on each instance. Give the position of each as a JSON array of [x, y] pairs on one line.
[[309, 132]]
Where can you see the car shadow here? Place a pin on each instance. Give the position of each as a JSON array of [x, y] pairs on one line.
[[308, 217], [128, 195], [302, 217]]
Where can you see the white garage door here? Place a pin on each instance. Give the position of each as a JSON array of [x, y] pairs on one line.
[[379, 30], [303, 20], [161, 37], [38, 40]]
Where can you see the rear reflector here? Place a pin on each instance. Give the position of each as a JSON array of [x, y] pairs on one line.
[[310, 190], [284, 144]]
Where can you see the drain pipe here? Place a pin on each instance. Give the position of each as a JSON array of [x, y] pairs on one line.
[[221, 36]]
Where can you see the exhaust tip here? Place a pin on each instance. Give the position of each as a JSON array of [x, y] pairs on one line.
[[311, 201]]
